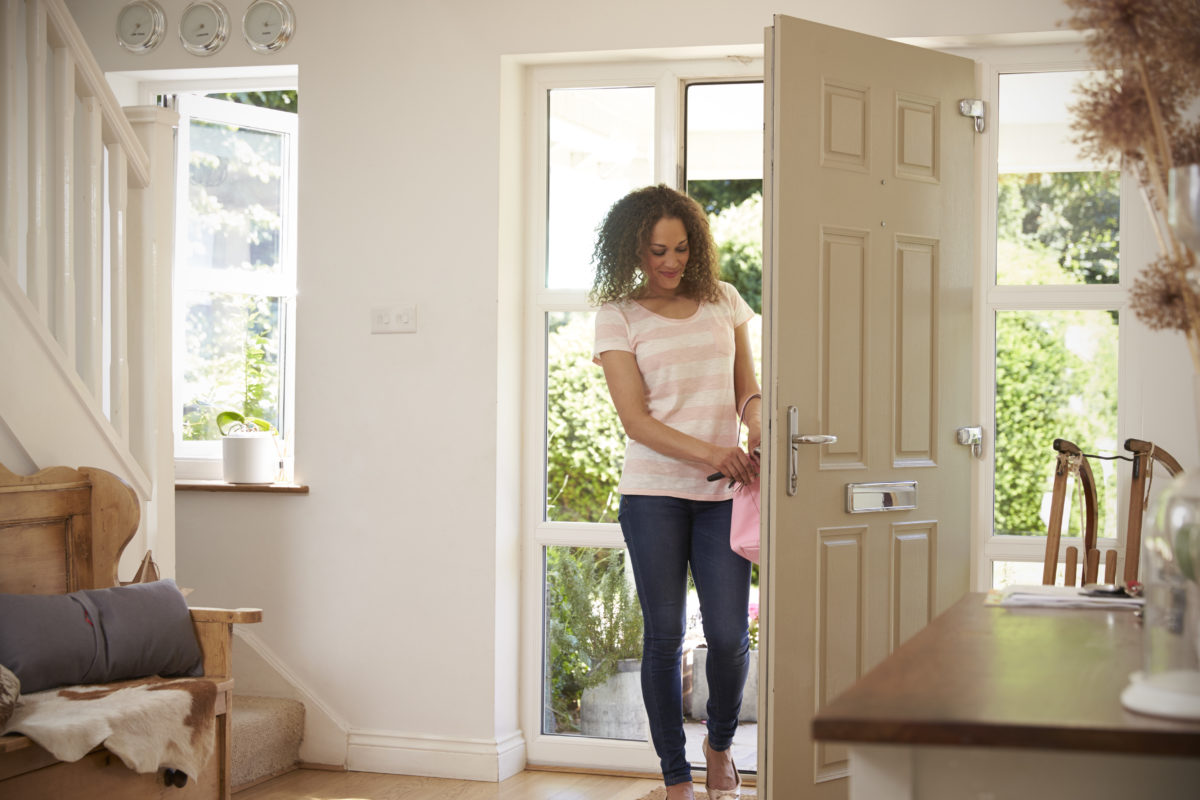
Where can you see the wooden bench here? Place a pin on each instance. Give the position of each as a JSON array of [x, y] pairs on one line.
[[63, 530]]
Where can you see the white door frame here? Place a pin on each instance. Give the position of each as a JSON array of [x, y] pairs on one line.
[[669, 77]]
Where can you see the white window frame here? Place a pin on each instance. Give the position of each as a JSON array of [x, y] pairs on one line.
[[669, 77], [991, 298], [202, 460]]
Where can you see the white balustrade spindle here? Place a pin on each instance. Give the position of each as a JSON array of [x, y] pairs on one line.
[[38, 239], [89, 244], [64, 209], [10, 171]]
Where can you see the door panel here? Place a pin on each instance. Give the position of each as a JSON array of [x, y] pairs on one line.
[[869, 270]]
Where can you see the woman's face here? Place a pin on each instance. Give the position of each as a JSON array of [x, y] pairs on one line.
[[665, 256]]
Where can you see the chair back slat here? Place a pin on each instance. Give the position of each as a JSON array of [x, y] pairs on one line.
[[1069, 461], [1145, 455]]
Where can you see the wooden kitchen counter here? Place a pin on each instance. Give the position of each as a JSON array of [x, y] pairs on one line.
[[992, 676]]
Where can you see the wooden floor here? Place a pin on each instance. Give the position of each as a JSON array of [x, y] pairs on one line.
[[309, 784]]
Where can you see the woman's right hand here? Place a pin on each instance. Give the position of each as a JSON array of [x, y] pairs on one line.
[[735, 463]]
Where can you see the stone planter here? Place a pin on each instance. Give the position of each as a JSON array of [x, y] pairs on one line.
[[614, 709], [696, 703]]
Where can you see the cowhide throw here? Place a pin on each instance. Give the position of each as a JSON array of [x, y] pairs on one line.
[[10, 690], [149, 723]]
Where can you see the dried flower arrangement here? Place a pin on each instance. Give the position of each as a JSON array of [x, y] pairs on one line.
[[1141, 108]]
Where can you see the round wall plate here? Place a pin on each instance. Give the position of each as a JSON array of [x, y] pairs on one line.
[[204, 27], [141, 25], [268, 25]]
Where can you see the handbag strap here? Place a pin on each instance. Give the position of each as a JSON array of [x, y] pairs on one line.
[[745, 403]]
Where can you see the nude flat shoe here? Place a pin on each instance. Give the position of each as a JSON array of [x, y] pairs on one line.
[[722, 794]]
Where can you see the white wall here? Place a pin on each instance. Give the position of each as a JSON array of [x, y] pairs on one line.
[[391, 590]]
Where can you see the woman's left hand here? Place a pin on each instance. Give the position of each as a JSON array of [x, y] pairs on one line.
[[734, 463]]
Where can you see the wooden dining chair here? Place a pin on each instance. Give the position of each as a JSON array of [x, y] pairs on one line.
[[1145, 454], [1071, 462]]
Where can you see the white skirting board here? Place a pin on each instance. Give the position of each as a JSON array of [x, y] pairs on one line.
[[436, 757]]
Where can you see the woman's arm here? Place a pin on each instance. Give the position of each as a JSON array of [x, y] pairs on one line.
[[628, 392], [745, 385]]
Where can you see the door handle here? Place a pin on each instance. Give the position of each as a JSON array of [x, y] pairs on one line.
[[795, 439]]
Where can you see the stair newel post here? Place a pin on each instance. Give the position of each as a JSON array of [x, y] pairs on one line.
[[151, 226], [118, 209]]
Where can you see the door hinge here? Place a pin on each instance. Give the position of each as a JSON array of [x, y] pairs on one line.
[[972, 108]]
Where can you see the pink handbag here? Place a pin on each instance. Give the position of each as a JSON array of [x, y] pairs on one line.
[[744, 522], [744, 525]]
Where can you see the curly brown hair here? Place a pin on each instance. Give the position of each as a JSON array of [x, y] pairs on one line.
[[624, 235]]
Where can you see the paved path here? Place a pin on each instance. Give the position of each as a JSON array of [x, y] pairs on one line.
[[745, 745]]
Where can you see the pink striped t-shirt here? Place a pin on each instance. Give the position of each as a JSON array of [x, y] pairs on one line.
[[687, 367]]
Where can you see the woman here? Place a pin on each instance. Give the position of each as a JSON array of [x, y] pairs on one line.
[[673, 342]]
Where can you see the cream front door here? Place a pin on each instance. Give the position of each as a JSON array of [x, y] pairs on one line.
[[869, 265]]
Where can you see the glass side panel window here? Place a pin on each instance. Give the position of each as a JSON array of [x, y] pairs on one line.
[[233, 359], [1022, 573], [593, 645], [601, 146], [585, 443], [724, 148], [235, 275], [1057, 216], [235, 194], [1056, 377]]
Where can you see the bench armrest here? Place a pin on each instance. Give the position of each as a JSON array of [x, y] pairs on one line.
[[214, 632], [226, 614]]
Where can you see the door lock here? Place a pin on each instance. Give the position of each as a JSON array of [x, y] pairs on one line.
[[972, 437]]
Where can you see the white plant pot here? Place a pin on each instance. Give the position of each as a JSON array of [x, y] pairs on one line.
[[250, 457]]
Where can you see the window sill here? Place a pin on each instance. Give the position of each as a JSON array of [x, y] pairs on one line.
[[222, 486]]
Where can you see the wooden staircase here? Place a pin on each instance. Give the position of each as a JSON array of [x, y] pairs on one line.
[[86, 240]]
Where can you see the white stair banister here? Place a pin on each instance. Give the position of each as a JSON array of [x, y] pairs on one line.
[[86, 228]]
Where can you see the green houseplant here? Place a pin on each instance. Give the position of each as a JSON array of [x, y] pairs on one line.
[[249, 449], [593, 623]]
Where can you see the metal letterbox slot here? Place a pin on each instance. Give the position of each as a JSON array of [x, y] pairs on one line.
[[862, 498]]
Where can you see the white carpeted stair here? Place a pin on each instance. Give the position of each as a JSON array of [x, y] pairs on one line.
[[266, 738]]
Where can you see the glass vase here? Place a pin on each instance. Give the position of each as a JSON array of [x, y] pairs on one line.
[[1169, 682]]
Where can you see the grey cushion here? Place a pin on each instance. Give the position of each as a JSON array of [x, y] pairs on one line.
[[98, 636], [49, 640], [148, 631]]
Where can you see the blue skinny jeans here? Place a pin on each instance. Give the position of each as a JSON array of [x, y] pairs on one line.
[[664, 536]]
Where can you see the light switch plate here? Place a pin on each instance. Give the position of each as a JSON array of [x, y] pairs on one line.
[[394, 319]]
